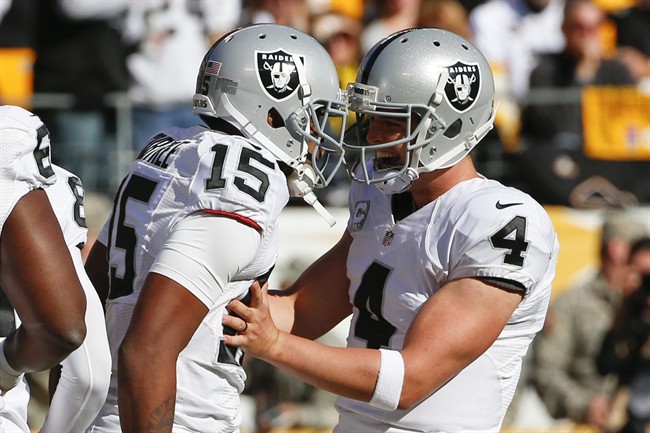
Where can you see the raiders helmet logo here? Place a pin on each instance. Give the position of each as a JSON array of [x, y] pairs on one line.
[[277, 74], [463, 85]]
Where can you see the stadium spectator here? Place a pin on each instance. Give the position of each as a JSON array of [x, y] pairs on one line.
[[389, 17], [513, 34], [445, 14], [80, 59], [581, 63], [196, 220], [429, 241], [292, 13], [565, 371], [625, 347], [166, 40], [633, 40], [553, 133], [50, 302]]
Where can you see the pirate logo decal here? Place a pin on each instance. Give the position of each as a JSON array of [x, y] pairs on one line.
[[463, 84], [277, 73]]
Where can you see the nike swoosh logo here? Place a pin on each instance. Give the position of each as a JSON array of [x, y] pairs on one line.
[[505, 205]]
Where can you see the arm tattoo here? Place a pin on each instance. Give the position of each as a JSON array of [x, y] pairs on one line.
[[162, 417]]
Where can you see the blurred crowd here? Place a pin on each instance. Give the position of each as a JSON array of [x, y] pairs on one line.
[[572, 129], [572, 77]]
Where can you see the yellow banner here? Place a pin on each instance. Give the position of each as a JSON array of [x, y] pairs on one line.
[[616, 122]]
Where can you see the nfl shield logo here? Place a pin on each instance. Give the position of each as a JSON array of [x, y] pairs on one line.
[[277, 73], [462, 85], [388, 238]]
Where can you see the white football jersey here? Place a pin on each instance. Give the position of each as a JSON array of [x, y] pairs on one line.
[[479, 228], [179, 173], [66, 197], [24, 157], [24, 165]]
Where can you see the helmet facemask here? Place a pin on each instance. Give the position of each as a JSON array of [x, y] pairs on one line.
[[320, 144], [421, 129], [442, 87]]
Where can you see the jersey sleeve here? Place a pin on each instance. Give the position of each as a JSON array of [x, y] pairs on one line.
[[24, 157], [204, 268], [515, 243], [237, 179]]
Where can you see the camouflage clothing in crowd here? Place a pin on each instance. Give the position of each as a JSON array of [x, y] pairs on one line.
[[565, 371]]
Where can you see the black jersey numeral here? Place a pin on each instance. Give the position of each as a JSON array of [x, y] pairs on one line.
[[140, 189], [512, 237], [78, 209], [217, 181], [43, 155], [371, 324]]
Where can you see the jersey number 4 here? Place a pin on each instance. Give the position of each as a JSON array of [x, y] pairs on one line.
[[371, 324]]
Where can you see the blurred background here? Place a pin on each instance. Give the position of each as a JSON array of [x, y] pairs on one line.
[[572, 129]]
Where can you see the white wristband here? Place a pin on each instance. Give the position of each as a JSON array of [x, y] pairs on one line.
[[389, 380], [9, 377]]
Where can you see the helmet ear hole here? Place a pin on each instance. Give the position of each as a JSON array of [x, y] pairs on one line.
[[454, 129], [275, 119]]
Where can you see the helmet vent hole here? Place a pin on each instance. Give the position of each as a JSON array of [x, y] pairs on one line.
[[464, 46], [454, 129], [262, 36], [436, 43], [274, 119], [404, 40], [294, 37]]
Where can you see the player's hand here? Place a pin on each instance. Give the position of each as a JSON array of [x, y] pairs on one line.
[[256, 332]]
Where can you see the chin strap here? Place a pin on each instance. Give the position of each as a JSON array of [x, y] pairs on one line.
[[400, 183], [302, 186], [312, 200]]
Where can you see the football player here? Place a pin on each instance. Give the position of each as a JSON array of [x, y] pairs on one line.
[[79, 387], [195, 222], [37, 274], [447, 274]]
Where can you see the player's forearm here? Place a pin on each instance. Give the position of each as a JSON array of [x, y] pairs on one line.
[[349, 372], [282, 309], [320, 295], [146, 393]]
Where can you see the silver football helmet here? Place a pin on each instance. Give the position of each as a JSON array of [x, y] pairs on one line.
[[278, 86], [440, 84]]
